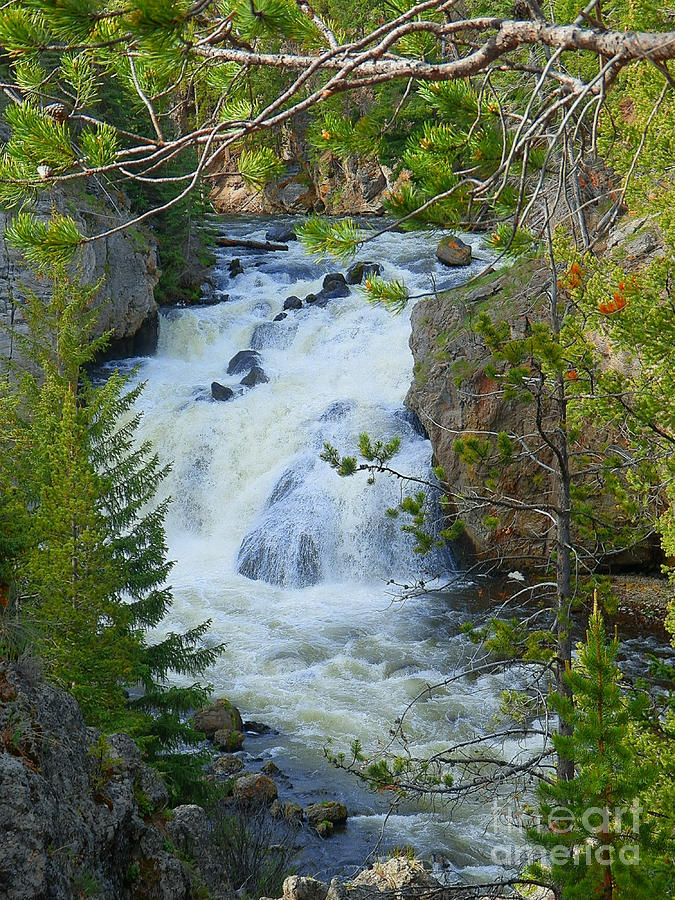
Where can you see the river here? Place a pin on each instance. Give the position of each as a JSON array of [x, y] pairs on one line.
[[316, 650]]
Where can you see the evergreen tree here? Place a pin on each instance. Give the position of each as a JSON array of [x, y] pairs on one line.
[[90, 573], [595, 825]]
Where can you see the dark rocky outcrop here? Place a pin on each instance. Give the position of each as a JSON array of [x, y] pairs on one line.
[[243, 361], [361, 270], [334, 286], [292, 302], [280, 317], [190, 832], [220, 391], [453, 252], [452, 393], [126, 260], [81, 814]]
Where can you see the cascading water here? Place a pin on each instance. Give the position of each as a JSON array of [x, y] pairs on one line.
[[288, 559]]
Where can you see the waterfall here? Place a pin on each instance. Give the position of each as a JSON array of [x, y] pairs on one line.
[[289, 560]]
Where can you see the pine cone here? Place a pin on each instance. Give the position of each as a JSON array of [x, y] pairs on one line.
[[57, 111], [522, 10]]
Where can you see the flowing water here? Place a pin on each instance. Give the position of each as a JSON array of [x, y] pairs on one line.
[[315, 646]]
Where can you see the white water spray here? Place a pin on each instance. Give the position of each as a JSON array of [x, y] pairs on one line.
[[314, 646]]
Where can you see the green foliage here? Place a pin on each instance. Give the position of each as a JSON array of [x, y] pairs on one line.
[[514, 243], [44, 243], [322, 238], [594, 825], [511, 639], [344, 138], [258, 166], [88, 567], [100, 145], [392, 294]]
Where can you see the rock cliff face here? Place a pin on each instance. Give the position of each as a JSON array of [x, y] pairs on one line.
[[127, 261], [452, 394], [81, 815], [330, 186]]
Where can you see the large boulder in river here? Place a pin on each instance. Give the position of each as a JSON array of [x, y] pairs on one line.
[[334, 285], [220, 391], [453, 252], [361, 270], [243, 361], [218, 716], [235, 267], [255, 790], [325, 816], [255, 376], [292, 302]]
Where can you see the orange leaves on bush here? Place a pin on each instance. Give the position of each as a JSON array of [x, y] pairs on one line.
[[574, 276], [616, 304]]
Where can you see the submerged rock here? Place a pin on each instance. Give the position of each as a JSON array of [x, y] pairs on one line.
[[255, 376], [362, 270], [453, 252], [243, 361], [269, 334], [220, 391], [281, 234], [280, 317], [235, 267], [293, 564]]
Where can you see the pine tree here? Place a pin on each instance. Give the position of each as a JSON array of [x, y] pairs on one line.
[[90, 571], [594, 825]]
